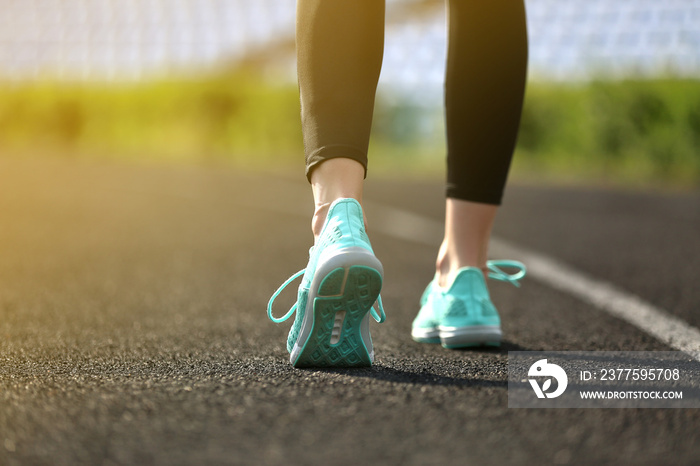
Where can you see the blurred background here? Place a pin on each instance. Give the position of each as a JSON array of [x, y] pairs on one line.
[[613, 96]]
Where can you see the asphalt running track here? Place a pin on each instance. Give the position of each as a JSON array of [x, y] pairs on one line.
[[133, 326]]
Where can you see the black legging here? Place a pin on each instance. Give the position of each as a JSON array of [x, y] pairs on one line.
[[339, 57]]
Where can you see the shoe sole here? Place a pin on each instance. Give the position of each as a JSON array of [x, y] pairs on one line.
[[335, 330], [472, 336], [430, 335]]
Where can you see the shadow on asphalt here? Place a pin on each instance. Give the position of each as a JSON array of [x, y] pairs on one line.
[[503, 349], [419, 377], [422, 376]]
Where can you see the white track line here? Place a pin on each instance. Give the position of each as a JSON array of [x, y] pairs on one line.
[[655, 321]]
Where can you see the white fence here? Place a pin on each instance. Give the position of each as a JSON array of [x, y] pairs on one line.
[[130, 39]]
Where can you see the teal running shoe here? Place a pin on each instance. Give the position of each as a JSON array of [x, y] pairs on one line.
[[339, 288], [462, 315]]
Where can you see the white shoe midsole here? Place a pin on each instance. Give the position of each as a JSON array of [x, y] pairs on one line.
[[471, 333], [425, 333]]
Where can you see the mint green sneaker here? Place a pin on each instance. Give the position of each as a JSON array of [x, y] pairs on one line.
[[339, 288], [462, 314]]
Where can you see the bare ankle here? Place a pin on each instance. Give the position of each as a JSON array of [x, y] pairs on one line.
[[319, 218], [467, 231], [331, 180], [449, 263]]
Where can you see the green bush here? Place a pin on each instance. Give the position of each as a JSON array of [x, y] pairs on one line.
[[635, 131], [628, 131], [228, 116]]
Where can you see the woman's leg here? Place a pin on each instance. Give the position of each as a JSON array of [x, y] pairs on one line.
[[339, 52], [339, 56], [484, 90]]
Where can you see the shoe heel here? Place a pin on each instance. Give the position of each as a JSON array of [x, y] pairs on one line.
[[337, 337]]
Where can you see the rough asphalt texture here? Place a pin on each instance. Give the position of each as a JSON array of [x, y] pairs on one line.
[[133, 326]]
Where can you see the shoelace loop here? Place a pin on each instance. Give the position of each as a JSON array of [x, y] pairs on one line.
[[496, 273], [379, 317], [284, 285]]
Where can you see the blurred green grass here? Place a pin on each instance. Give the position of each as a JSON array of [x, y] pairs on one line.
[[625, 132], [230, 116]]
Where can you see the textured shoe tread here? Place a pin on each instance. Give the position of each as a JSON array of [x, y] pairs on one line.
[[356, 298], [332, 285]]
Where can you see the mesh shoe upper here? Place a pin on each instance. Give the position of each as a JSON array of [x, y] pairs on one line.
[[466, 302]]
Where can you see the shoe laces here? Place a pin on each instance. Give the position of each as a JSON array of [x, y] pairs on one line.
[[497, 273], [380, 316], [494, 271]]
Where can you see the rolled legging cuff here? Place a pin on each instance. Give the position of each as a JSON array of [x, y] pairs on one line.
[[334, 152], [483, 197]]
